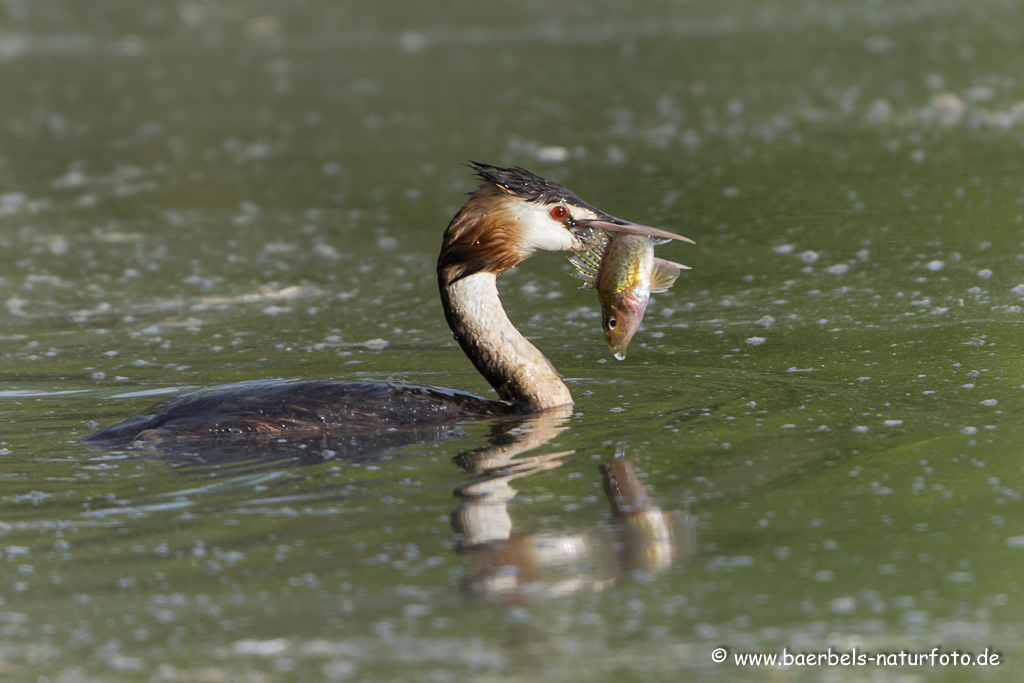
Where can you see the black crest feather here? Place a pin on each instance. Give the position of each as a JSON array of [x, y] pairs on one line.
[[526, 185]]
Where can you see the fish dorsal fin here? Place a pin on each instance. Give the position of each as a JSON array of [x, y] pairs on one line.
[[588, 259], [664, 274]]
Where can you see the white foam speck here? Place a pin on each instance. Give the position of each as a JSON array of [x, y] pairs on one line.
[[935, 265], [148, 392], [20, 393], [985, 273], [990, 402], [756, 341], [412, 42], [265, 648], [273, 310], [553, 154], [844, 605], [809, 256]]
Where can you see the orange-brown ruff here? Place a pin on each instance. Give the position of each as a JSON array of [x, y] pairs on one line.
[[512, 216], [481, 237]]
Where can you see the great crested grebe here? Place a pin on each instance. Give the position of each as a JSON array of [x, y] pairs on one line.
[[513, 215]]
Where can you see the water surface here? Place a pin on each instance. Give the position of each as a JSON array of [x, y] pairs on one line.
[[823, 411]]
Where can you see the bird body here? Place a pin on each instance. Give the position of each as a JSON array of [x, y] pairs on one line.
[[513, 215]]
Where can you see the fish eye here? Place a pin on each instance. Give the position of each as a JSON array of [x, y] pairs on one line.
[[612, 322], [559, 213]]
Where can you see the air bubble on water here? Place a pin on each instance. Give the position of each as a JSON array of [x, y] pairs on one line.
[[274, 310], [808, 256], [844, 605], [552, 154]]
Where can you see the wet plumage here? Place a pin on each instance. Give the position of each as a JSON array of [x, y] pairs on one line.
[[512, 216]]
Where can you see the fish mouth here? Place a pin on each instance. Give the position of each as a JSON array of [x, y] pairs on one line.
[[619, 344], [612, 224], [628, 315]]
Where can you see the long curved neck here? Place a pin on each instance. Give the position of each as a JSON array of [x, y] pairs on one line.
[[516, 369]]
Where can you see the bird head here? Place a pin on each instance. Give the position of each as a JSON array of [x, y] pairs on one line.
[[515, 214]]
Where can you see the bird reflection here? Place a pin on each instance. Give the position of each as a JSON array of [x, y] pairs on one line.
[[637, 537]]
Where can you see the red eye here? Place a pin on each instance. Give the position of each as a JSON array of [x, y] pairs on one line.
[[559, 213]]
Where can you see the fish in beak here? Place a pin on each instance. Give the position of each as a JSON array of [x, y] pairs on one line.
[[623, 269]]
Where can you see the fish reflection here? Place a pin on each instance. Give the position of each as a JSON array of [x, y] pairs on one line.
[[509, 567]]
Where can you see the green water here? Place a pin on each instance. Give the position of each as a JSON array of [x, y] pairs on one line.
[[824, 410]]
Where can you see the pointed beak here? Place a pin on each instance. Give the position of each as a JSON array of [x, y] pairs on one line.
[[612, 224]]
